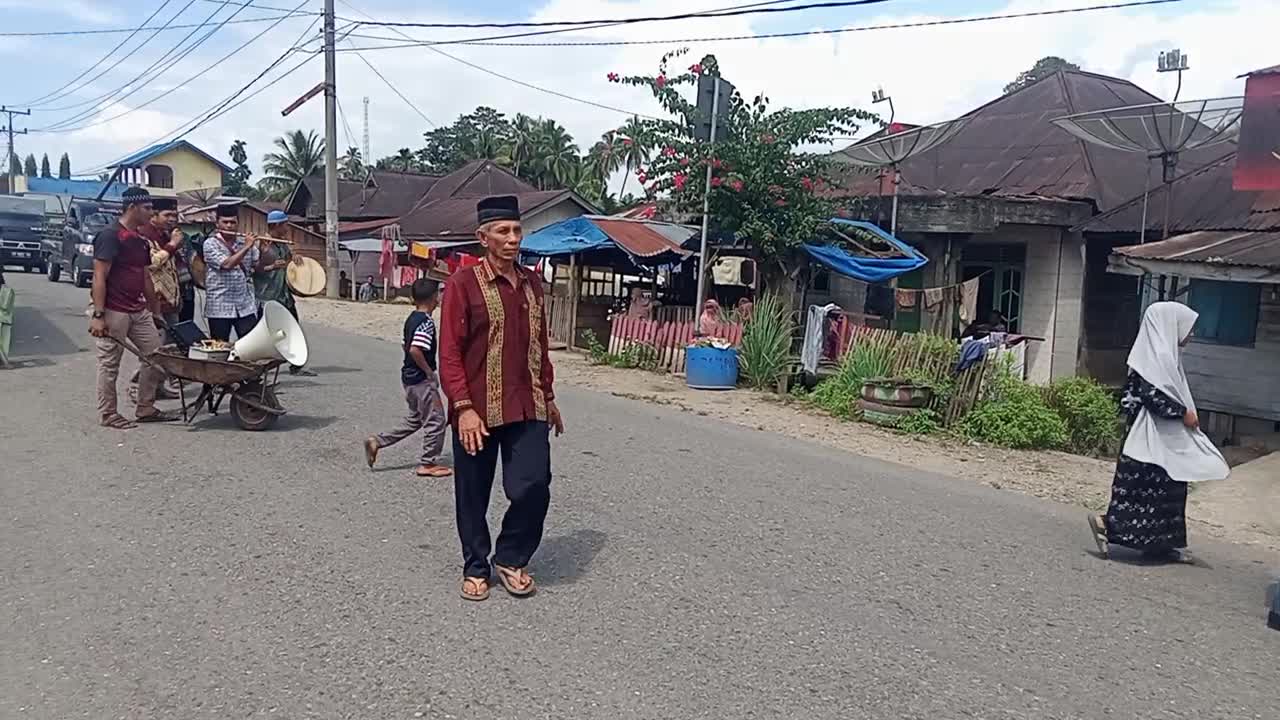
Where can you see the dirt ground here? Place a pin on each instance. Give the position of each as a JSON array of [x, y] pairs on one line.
[[1213, 508]]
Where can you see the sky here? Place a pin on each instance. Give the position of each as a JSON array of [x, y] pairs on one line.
[[932, 74]]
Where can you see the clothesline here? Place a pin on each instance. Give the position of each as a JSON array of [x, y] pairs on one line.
[[966, 293]]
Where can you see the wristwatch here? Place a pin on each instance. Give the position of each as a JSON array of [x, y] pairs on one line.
[[99, 314]]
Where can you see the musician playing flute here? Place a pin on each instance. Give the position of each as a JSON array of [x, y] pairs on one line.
[[270, 278], [230, 258]]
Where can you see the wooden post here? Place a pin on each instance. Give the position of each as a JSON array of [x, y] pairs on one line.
[[575, 292]]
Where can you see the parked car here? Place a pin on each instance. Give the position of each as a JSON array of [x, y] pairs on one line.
[[21, 226], [84, 219]]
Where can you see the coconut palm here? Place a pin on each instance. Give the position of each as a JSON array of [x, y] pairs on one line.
[[524, 131], [298, 155], [558, 155], [405, 159], [636, 148], [351, 165]]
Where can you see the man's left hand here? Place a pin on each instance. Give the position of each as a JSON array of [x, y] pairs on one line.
[[554, 419]]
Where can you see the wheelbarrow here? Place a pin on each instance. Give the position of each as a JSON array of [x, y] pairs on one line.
[[251, 385]]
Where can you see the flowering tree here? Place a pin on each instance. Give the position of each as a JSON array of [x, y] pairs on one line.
[[766, 184]]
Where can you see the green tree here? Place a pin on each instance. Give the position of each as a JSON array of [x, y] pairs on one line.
[[637, 148], [64, 167], [351, 165], [29, 166], [1043, 68], [763, 183], [15, 164], [45, 171], [298, 154], [237, 181]]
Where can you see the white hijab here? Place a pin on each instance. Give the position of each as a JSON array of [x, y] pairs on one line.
[[1186, 454]]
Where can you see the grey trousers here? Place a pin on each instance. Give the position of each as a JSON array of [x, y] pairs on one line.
[[426, 413]]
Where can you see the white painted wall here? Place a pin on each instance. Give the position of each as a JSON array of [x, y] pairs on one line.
[[1053, 285]]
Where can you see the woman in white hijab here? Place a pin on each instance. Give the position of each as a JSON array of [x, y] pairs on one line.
[[1164, 448]]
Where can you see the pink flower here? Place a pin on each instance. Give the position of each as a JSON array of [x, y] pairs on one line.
[[678, 179], [716, 182], [806, 183], [642, 178], [715, 163], [626, 141], [775, 190], [736, 185], [684, 162], [669, 151], [696, 68], [767, 139], [613, 77], [660, 81], [780, 202]]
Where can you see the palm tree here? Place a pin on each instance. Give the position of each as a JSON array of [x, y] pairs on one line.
[[299, 155], [606, 156], [524, 133], [557, 154], [351, 165], [405, 159], [636, 148]]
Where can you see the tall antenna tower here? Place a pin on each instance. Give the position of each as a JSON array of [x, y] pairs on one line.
[[365, 149]]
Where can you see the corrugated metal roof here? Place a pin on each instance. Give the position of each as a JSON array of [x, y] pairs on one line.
[[146, 154], [1213, 247], [1202, 200], [645, 238], [1010, 147], [453, 217], [78, 188]]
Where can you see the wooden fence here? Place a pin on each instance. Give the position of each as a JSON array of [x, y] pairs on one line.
[[559, 319], [666, 341]]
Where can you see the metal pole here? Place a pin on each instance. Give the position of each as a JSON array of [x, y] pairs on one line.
[[13, 178], [706, 208], [330, 154], [893, 217]]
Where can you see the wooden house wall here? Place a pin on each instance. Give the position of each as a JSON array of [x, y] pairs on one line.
[[1240, 380]]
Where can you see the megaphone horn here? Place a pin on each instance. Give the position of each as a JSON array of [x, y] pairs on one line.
[[276, 336]]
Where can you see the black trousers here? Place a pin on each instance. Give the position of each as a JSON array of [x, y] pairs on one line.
[[220, 328], [525, 448], [188, 311]]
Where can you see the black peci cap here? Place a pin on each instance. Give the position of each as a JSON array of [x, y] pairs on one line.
[[498, 207]]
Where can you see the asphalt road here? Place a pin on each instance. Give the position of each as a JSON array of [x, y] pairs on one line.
[[691, 570]]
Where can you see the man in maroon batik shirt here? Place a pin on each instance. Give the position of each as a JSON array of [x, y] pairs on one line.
[[125, 306], [498, 378]]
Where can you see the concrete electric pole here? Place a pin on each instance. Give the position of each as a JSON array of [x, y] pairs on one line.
[[8, 158], [330, 154]]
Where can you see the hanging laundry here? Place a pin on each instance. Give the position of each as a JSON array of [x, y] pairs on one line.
[[408, 274], [906, 298], [933, 297], [968, 301]]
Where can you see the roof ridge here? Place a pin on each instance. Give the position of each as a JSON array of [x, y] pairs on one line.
[[1230, 156]]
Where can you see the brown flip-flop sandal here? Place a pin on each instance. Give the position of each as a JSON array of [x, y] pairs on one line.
[[371, 452], [116, 421], [473, 582], [434, 471], [506, 575], [1100, 535]]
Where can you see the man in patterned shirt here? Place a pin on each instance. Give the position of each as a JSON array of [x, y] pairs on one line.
[[421, 386], [229, 303]]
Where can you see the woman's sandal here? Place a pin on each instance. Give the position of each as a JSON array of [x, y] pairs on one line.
[[1098, 526], [116, 421], [433, 471], [509, 578], [475, 589]]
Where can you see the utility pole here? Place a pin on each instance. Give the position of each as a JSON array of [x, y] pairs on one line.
[[703, 267], [11, 132], [365, 147], [330, 154]]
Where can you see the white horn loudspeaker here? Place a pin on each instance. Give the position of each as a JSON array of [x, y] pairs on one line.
[[276, 336]]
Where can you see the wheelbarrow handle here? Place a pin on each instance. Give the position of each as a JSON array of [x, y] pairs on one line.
[[127, 345]]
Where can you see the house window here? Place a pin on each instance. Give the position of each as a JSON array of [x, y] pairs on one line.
[[1228, 311], [160, 176]]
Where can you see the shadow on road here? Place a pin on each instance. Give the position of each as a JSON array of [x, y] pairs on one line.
[[36, 336], [563, 559], [332, 370]]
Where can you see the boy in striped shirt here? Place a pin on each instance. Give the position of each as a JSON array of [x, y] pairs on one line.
[[421, 387]]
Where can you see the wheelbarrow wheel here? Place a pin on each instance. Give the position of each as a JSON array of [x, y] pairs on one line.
[[252, 418]]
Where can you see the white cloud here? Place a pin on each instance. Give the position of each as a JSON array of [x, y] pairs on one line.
[[932, 73]]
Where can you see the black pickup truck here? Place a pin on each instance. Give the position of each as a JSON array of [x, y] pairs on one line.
[[21, 229], [84, 219]]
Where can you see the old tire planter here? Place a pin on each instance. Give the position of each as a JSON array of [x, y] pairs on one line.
[[896, 393], [709, 368], [884, 415]]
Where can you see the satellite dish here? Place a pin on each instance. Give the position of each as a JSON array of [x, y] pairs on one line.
[[1160, 130], [200, 197]]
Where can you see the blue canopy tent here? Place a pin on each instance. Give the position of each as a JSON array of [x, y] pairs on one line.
[[873, 266]]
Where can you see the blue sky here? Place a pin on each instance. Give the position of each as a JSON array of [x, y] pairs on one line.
[[932, 73]]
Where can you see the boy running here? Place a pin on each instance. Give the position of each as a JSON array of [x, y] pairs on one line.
[[421, 387]]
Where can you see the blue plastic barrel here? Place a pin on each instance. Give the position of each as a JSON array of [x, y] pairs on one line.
[[709, 368]]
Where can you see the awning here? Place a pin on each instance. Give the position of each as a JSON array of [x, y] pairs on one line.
[[368, 245], [1240, 256], [642, 241], [872, 266]]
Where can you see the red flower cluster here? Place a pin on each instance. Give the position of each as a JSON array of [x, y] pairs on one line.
[[716, 182], [736, 185], [660, 81], [696, 68], [684, 162], [626, 141], [613, 77], [678, 180], [669, 151], [806, 183]]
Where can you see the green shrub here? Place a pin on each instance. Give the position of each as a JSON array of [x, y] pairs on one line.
[[1091, 413], [764, 355], [1016, 415], [924, 422], [839, 394]]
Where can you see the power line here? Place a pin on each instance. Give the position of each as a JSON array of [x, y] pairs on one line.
[[494, 41], [395, 90], [121, 31], [184, 83], [755, 9], [346, 127], [54, 95], [508, 78]]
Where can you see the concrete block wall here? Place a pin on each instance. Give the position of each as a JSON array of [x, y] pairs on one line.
[[1053, 287]]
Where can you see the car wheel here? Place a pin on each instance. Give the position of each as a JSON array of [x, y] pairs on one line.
[[77, 278], [55, 272]]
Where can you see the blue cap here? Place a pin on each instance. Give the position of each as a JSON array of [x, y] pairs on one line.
[[275, 217]]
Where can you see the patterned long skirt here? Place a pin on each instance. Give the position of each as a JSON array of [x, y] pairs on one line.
[[1148, 508]]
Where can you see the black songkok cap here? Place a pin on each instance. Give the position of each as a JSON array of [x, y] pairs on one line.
[[135, 196], [163, 203], [498, 207], [229, 210]]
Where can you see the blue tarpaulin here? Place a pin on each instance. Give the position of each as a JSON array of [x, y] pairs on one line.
[[861, 267], [566, 238]]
